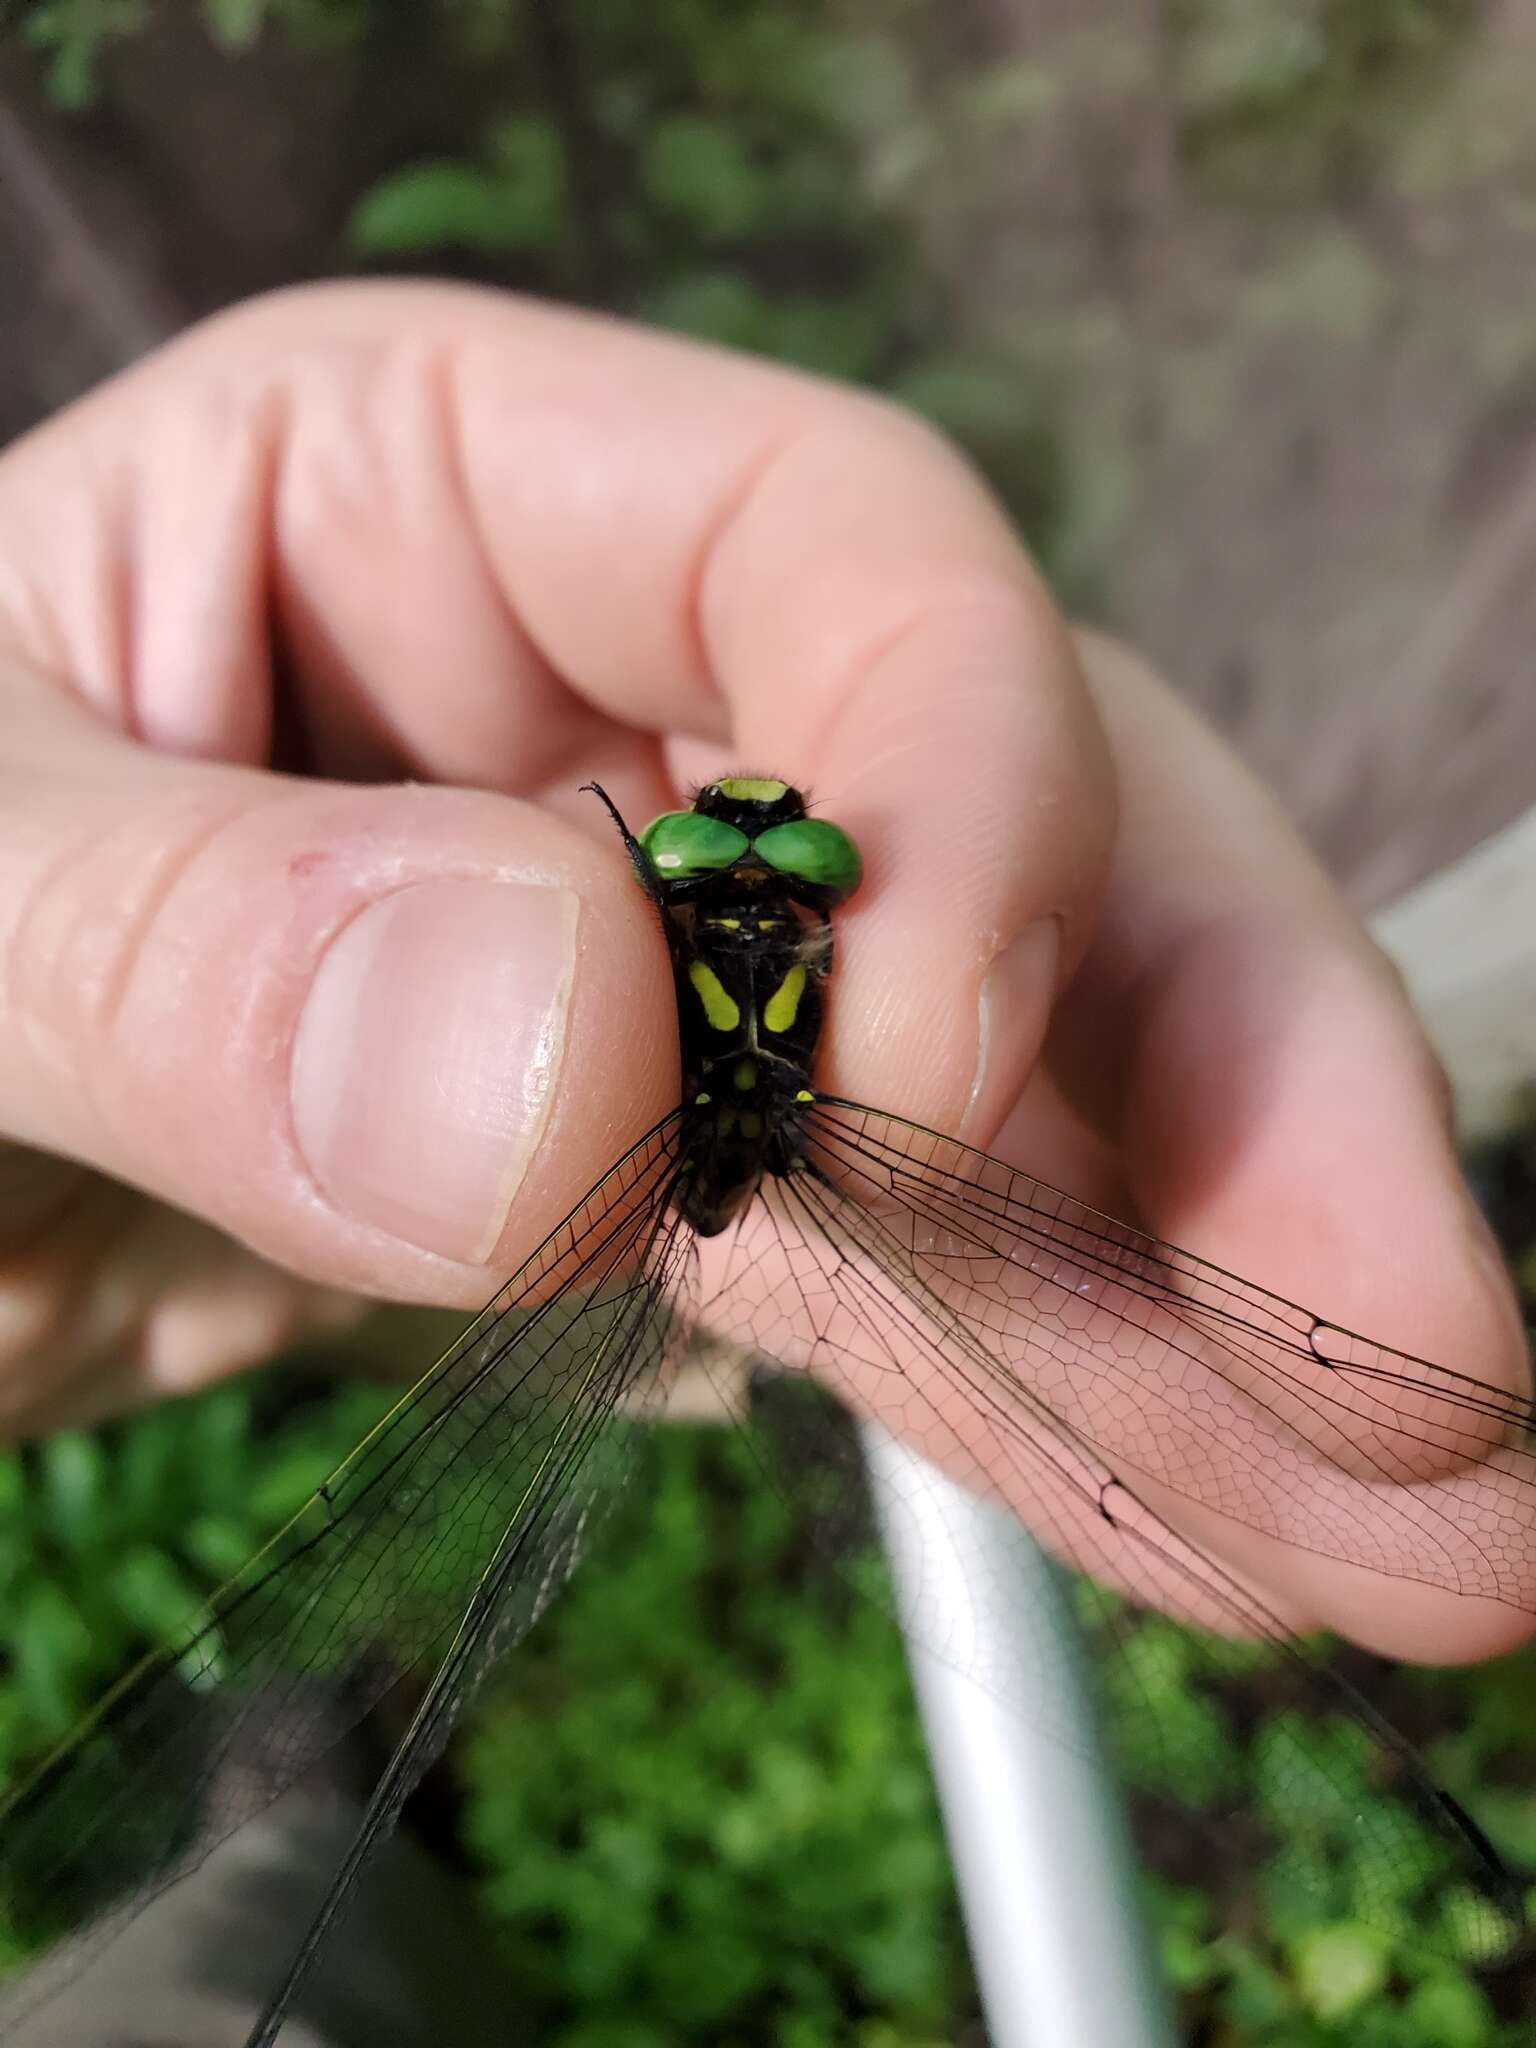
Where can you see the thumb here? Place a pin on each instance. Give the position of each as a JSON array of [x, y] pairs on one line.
[[386, 1036]]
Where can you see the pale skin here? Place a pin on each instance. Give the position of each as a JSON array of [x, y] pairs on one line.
[[398, 534]]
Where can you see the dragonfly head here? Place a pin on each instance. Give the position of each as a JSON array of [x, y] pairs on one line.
[[757, 826]]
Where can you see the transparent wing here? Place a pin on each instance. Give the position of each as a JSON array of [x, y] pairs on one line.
[[442, 1537], [1201, 1382], [1099, 1383]]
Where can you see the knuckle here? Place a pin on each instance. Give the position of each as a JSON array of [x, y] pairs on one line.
[[94, 911]]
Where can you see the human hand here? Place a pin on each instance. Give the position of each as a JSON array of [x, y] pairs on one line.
[[343, 1035]]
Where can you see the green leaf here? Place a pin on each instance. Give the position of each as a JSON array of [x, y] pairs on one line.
[[1337, 1968], [73, 34], [13, 1487], [235, 24], [291, 1473], [975, 401], [143, 1466], [675, 1846], [73, 1467], [841, 337], [529, 158], [1471, 1927], [50, 1644], [1450, 2012], [1253, 57], [810, 195], [217, 1429], [151, 1592], [1312, 1772], [1258, 1997], [1168, 1737], [219, 1544], [1190, 1958], [712, 305], [437, 206], [862, 83], [700, 171]]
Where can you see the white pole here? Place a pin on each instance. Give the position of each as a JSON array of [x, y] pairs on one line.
[[1466, 943], [1042, 1857]]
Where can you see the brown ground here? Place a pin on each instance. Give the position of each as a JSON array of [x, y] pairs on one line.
[[1294, 375]]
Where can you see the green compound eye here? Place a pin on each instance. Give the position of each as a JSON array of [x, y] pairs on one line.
[[812, 850], [680, 844]]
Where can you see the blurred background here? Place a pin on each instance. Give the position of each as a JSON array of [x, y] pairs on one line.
[[1232, 300]]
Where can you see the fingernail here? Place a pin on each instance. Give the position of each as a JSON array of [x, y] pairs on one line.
[[427, 1054], [1015, 1010]]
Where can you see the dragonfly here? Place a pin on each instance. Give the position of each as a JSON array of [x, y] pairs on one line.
[[1047, 1356]]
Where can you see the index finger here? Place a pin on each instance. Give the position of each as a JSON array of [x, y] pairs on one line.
[[503, 538], [818, 585], [488, 542]]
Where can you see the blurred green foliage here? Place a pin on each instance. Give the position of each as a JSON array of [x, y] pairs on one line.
[[702, 1799], [1279, 1941], [109, 1539], [1307, 76], [698, 1799], [75, 38], [753, 174], [696, 164], [701, 166]]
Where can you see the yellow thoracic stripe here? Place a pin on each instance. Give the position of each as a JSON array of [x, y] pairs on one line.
[[783, 1005], [721, 1010]]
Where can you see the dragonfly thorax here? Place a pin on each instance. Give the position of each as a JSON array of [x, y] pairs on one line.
[[750, 975], [745, 883]]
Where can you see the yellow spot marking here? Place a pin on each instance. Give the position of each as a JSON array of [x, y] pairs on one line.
[[783, 1005], [745, 1075], [767, 924], [725, 924], [725, 1121], [721, 1010], [752, 789], [804, 1095], [701, 1098], [751, 1124]]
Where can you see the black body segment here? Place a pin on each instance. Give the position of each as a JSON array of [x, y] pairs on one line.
[[751, 947]]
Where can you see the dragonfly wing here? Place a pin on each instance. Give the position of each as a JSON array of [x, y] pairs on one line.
[[1080, 1373], [1186, 1378], [482, 1479]]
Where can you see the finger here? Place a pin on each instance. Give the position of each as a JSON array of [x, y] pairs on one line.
[[1282, 1115], [114, 1300], [921, 687], [494, 529], [385, 1037]]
